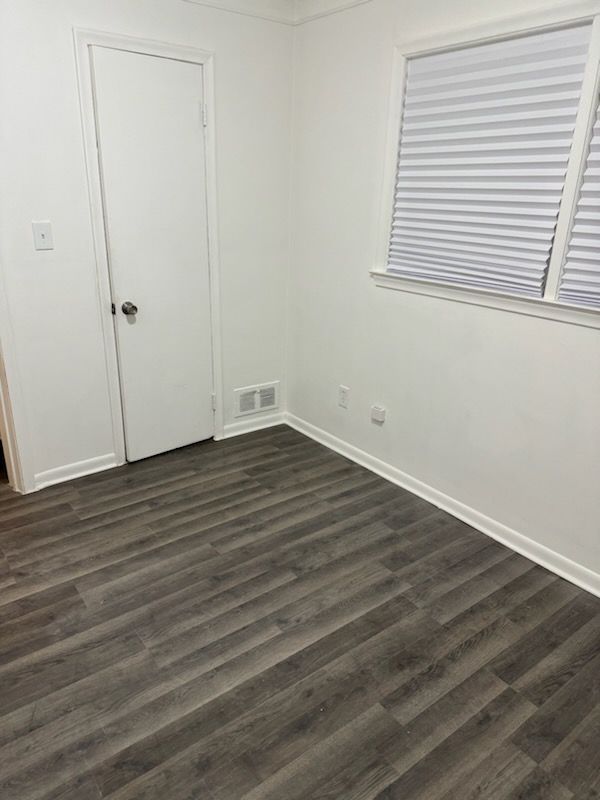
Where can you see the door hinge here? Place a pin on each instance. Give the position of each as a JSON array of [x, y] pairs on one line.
[[214, 401], [113, 308], [204, 115]]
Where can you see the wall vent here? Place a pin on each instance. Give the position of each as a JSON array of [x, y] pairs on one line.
[[254, 399]]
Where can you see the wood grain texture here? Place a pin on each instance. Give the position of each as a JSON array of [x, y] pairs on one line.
[[261, 619]]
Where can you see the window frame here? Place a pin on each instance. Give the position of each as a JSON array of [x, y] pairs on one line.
[[547, 306]]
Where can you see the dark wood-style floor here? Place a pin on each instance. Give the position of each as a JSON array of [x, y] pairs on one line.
[[260, 619]]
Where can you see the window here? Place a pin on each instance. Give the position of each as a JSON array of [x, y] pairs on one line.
[[580, 280], [497, 144]]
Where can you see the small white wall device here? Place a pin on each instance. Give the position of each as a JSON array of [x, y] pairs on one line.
[[378, 414], [42, 235]]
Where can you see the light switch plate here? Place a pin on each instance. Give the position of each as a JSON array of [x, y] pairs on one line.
[[42, 235], [343, 396]]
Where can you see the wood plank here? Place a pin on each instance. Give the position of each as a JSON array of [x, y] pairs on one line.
[[261, 618], [561, 713], [445, 766]]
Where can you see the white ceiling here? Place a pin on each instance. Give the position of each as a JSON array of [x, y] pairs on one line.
[[288, 12], [310, 9]]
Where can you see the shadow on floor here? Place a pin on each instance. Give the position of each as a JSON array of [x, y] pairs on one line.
[[3, 472]]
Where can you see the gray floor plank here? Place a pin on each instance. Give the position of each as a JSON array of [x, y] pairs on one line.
[[260, 618]]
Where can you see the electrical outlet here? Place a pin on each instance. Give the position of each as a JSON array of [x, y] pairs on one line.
[[378, 414], [343, 396]]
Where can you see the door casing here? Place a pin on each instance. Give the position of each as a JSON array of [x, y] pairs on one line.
[[84, 41]]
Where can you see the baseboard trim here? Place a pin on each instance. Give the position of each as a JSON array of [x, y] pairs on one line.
[[100, 463], [555, 562], [77, 470], [253, 424]]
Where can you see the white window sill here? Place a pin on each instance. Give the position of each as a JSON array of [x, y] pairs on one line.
[[545, 309]]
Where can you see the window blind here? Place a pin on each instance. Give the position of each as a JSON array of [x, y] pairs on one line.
[[484, 147], [580, 280]]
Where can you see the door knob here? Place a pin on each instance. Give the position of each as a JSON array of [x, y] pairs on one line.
[[129, 308]]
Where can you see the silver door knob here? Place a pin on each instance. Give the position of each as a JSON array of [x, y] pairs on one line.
[[129, 308]]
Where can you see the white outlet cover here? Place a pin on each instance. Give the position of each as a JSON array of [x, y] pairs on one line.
[[378, 414]]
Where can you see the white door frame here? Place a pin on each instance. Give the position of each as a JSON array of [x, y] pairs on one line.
[[13, 425], [84, 40]]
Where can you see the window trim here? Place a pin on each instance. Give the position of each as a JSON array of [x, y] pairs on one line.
[[535, 22], [527, 306]]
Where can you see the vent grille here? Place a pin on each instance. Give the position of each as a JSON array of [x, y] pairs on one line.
[[267, 398], [247, 402], [254, 399]]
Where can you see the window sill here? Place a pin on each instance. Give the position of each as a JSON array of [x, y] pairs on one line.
[[546, 309]]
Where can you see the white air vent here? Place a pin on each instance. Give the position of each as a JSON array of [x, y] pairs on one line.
[[247, 402], [267, 398], [253, 399]]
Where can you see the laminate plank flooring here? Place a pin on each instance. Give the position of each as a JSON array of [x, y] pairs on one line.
[[261, 619]]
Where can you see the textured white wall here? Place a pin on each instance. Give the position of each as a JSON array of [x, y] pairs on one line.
[[53, 317], [497, 410]]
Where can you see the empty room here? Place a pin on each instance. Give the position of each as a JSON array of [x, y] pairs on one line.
[[299, 400]]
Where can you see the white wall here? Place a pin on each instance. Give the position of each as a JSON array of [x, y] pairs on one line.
[[499, 411], [496, 410], [51, 315]]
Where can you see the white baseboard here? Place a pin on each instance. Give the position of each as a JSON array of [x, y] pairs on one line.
[[555, 562], [100, 463], [76, 470], [253, 424]]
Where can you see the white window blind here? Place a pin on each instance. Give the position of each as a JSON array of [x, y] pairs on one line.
[[580, 281], [484, 148]]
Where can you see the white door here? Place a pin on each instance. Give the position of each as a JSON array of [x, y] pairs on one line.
[[151, 146]]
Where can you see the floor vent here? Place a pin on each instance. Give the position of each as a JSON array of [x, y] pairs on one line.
[[253, 399]]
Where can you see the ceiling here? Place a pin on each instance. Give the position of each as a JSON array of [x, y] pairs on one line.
[[287, 12]]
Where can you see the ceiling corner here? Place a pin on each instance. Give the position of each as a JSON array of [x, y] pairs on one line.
[[306, 10], [286, 12], [282, 11]]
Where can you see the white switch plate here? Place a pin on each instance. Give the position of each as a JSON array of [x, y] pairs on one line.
[[42, 235]]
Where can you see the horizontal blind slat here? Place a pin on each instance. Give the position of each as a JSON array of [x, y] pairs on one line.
[[563, 111], [541, 184], [434, 108], [482, 228], [431, 218], [478, 197], [496, 161], [479, 207], [566, 82], [452, 250], [553, 63], [465, 265], [470, 282], [504, 238], [547, 129], [448, 258], [476, 171], [495, 147], [576, 36]]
